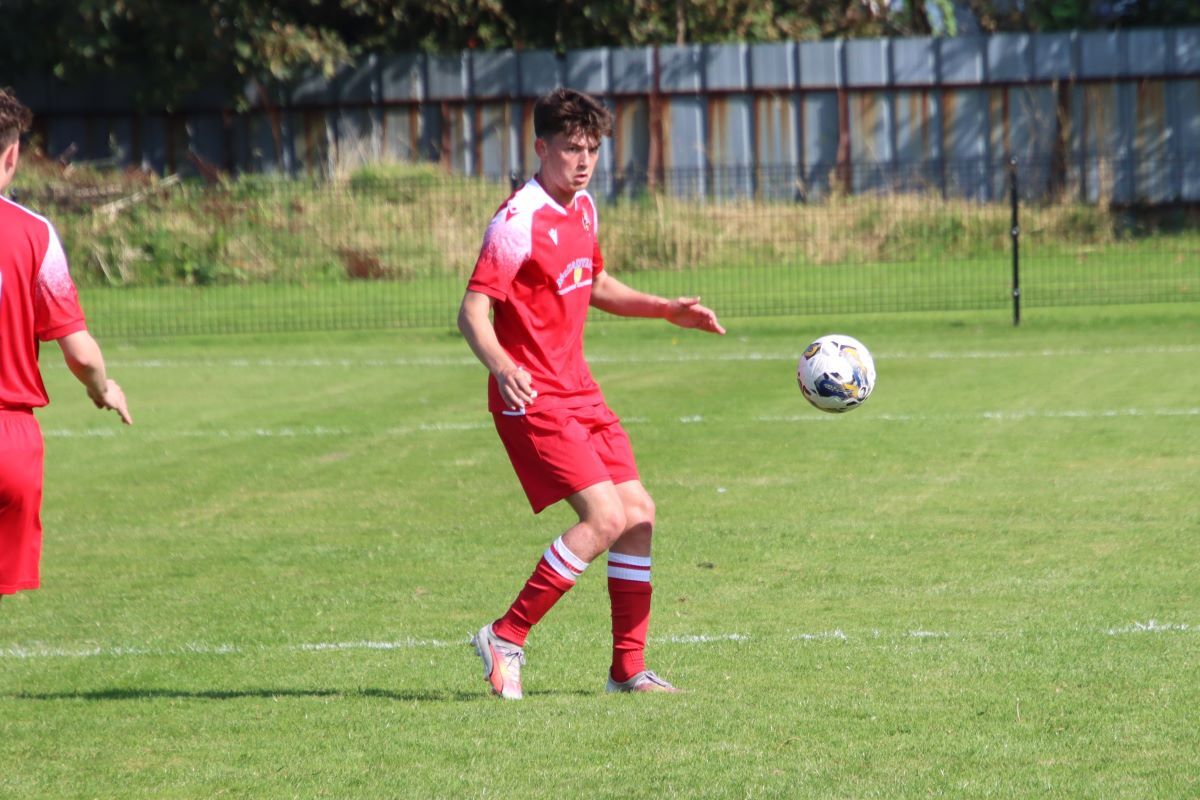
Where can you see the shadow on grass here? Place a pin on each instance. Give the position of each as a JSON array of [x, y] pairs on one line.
[[423, 696]]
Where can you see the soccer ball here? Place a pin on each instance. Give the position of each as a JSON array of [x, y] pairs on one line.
[[836, 373]]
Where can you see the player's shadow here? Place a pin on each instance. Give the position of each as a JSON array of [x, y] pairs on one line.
[[423, 696]]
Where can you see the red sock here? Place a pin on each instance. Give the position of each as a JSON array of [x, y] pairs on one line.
[[553, 576], [629, 590]]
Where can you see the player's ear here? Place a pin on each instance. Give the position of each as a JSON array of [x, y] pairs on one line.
[[539, 147]]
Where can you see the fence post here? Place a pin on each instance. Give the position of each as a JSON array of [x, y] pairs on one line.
[[1015, 233]]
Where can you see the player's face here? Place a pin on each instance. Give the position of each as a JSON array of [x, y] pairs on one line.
[[567, 163]]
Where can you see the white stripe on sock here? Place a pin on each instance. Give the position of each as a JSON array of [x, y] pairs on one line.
[[565, 552], [622, 558], [626, 574], [569, 565]]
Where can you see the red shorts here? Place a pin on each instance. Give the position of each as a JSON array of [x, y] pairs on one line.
[[559, 452], [21, 456]]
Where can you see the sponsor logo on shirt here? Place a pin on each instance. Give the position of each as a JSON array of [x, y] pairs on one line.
[[572, 276]]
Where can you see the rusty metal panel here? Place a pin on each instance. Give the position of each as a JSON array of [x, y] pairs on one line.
[[684, 139], [356, 136], [589, 70], [777, 142], [206, 136], [462, 140], [918, 150], [730, 145], [358, 83], [311, 90], [963, 59], [541, 72], [401, 134], [965, 142], [1185, 54], [1099, 143], [1054, 56], [1029, 135], [870, 140], [494, 73], [821, 129], [1147, 51], [681, 68], [430, 132], [778, 171], [631, 138], [773, 66], [402, 77], [632, 69], [1152, 175], [914, 61], [866, 62], [726, 66], [1010, 57], [493, 131], [1101, 54], [1185, 103], [821, 64], [447, 77]]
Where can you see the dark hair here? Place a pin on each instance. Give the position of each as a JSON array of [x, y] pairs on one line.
[[15, 118], [570, 112]]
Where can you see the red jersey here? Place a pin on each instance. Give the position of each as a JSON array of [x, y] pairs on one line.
[[537, 263], [38, 301]]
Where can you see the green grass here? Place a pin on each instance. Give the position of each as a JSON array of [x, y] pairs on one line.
[[983, 583]]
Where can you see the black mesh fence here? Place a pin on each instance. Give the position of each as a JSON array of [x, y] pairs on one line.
[[392, 247]]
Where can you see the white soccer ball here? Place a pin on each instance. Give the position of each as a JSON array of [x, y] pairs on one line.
[[836, 373]]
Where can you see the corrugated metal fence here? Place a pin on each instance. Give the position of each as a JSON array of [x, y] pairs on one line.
[[1109, 116]]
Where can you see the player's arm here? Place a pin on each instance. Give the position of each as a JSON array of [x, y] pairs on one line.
[[475, 322], [609, 294], [86, 363]]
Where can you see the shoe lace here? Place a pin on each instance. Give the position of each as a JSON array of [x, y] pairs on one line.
[[513, 657], [652, 677]]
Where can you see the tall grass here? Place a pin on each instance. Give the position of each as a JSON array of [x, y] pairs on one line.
[[400, 222]]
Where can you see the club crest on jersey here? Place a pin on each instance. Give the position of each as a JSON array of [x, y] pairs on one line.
[[572, 277], [587, 222]]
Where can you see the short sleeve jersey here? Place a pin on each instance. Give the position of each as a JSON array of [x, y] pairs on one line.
[[38, 302], [537, 262]]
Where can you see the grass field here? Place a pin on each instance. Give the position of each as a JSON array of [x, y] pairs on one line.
[[984, 583]]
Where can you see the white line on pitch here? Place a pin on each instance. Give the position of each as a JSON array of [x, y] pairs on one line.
[[309, 432], [670, 358], [41, 651]]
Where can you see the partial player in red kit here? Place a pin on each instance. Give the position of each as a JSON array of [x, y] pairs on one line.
[[38, 303], [523, 315]]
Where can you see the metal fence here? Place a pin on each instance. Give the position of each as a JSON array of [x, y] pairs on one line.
[[381, 251], [825, 109]]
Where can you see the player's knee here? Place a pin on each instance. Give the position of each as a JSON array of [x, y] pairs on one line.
[[609, 523], [639, 514]]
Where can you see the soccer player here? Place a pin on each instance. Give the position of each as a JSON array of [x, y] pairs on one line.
[[523, 316], [38, 302]]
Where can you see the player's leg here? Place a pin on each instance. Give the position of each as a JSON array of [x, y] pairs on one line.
[[630, 591], [500, 644], [629, 587], [601, 521], [554, 460], [21, 457]]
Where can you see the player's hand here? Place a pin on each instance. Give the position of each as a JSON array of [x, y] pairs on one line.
[[516, 387], [686, 312], [113, 398]]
